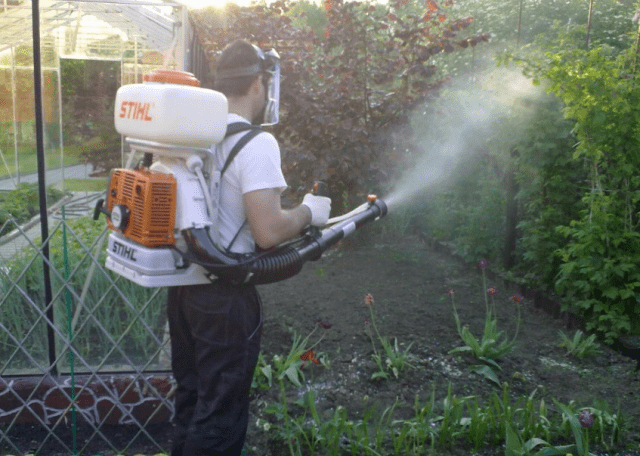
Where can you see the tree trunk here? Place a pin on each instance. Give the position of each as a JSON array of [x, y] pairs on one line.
[[511, 187]]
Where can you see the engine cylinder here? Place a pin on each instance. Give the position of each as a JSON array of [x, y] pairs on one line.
[[151, 200]]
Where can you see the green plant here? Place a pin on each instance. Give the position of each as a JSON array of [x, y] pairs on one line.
[[522, 424], [480, 229], [530, 424], [592, 424], [22, 203], [579, 345], [416, 435], [300, 353], [579, 425], [290, 367], [598, 275], [391, 358], [480, 420], [548, 181], [321, 436], [452, 425], [534, 420], [280, 412], [262, 375], [493, 344], [516, 446], [369, 434], [583, 425], [606, 423]]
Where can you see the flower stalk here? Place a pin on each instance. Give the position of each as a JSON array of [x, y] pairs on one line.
[[396, 360], [493, 344]]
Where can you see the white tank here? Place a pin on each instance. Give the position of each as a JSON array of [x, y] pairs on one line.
[[170, 107]]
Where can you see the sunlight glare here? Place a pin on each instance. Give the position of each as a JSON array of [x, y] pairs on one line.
[[197, 4]]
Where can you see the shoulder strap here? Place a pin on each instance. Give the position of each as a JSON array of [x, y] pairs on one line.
[[237, 127], [234, 128]]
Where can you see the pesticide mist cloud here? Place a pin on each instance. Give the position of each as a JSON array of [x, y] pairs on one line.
[[465, 120], [433, 168]]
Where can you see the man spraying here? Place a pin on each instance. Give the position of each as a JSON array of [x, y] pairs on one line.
[[216, 328]]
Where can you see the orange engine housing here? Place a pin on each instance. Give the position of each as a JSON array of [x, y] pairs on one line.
[[151, 198]]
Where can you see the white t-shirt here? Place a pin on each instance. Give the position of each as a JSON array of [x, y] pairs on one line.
[[256, 167]]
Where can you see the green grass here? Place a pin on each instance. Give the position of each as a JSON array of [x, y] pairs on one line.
[[85, 185], [28, 161]]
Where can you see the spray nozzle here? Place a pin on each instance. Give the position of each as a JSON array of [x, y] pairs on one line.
[[320, 189]]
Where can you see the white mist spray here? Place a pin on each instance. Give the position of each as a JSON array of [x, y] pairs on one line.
[[463, 121]]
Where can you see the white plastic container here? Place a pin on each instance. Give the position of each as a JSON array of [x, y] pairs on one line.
[[170, 107]]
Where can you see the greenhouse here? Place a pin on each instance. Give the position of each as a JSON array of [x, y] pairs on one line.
[[118, 40]]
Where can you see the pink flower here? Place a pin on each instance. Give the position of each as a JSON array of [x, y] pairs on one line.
[[482, 264], [325, 324], [585, 418], [516, 297], [368, 299], [492, 291]]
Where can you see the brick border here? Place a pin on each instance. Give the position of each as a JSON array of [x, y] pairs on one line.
[[109, 399]]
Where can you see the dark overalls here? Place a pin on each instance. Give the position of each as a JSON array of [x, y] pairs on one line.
[[215, 341]]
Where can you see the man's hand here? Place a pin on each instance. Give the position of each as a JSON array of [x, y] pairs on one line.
[[320, 208]]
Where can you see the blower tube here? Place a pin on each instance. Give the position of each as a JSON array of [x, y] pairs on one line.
[[279, 263]]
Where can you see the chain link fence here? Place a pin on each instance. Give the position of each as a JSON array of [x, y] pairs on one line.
[[84, 354]]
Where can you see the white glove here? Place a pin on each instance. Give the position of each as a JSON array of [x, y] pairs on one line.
[[320, 208]]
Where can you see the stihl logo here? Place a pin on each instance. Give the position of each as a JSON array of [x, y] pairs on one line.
[[136, 110], [124, 251]]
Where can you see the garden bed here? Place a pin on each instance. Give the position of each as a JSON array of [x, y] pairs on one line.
[[411, 284]]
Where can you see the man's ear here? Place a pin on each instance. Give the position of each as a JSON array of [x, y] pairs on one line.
[[255, 85]]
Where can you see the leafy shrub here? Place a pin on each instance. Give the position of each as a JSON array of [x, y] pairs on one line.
[[599, 274], [550, 191], [22, 203]]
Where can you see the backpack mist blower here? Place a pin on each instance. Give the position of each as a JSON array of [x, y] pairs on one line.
[[162, 212]]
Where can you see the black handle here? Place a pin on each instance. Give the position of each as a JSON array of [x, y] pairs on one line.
[[100, 208]]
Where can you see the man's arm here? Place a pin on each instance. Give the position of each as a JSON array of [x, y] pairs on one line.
[[270, 224]]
